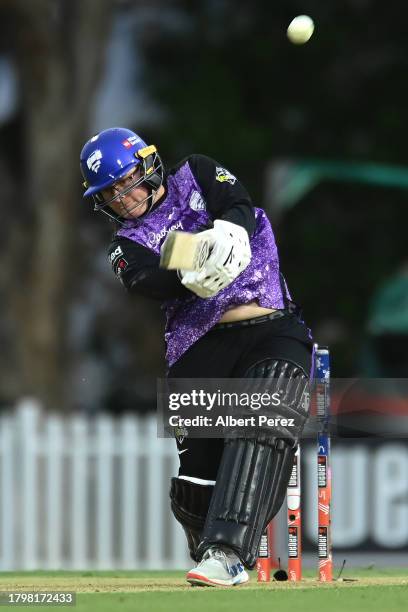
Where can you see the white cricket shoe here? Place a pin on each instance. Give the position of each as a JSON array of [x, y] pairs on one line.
[[218, 567]]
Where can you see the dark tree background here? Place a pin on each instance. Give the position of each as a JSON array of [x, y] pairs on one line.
[[233, 87], [58, 49], [227, 83]]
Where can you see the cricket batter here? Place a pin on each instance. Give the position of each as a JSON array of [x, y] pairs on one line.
[[235, 321]]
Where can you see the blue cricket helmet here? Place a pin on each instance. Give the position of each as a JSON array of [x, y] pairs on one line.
[[109, 155]]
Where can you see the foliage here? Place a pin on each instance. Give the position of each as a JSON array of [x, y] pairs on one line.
[[233, 87]]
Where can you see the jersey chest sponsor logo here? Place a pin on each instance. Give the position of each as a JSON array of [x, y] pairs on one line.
[[196, 201], [154, 238]]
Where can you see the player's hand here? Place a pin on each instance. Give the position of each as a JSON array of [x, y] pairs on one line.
[[193, 281], [230, 255]]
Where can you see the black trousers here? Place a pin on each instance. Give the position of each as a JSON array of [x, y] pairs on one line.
[[228, 351]]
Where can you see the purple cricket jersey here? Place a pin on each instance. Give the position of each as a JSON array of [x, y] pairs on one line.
[[188, 319]]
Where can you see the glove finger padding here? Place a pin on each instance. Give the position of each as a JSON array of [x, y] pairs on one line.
[[230, 255], [193, 281]]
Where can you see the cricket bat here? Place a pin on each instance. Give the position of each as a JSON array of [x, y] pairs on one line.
[[185, 251]]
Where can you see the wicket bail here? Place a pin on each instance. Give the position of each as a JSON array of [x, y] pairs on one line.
[[266, 560]]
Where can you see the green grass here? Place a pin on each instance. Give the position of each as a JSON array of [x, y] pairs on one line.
[[373, 590]]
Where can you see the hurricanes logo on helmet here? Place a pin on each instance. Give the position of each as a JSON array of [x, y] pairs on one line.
[[94, 160]]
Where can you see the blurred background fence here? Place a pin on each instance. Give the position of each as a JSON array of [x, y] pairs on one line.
[[92, 493], [85, 493]]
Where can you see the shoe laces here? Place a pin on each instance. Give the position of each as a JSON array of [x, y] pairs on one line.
[[219, 555]]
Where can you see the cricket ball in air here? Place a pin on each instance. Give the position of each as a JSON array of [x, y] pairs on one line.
[[300, 29]]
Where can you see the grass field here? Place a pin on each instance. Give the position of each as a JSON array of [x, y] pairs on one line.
[[371, 590]]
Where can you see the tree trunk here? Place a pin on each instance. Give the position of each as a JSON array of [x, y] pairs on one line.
[[61, 52]]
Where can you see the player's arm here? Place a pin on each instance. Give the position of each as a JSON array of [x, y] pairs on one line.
[[231, 208], [138, 270], [225, 196]]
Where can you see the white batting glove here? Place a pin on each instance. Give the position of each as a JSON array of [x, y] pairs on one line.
[[194, 282], [230, 255]]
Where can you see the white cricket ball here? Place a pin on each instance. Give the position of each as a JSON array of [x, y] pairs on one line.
[[300, 29]]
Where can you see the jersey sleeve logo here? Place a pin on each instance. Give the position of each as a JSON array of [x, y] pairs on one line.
[[224, 176], [120, 266], [119, 263], [114, 255]]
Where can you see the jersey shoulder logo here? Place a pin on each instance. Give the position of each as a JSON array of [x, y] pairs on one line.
[[196, 201], [224, 176]]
